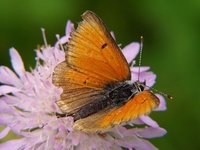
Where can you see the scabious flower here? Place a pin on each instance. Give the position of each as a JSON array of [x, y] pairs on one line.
[[28, 108]]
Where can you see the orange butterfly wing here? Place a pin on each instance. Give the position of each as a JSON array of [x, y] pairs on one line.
[[93, 51], [93, 60], [77, 90], [142, 103]]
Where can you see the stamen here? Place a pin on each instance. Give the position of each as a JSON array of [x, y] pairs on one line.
[[44, 37], [58, 38]]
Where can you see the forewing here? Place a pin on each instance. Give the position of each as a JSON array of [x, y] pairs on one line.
[[92, 50]]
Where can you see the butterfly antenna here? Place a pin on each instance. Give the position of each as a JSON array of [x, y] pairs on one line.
[[140, 61], [140, 55], [166, 95], [44, 37]]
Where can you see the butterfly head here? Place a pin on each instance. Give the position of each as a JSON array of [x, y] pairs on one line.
[[137, 85]]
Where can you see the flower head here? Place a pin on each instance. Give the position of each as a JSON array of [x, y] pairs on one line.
[[28, 108]]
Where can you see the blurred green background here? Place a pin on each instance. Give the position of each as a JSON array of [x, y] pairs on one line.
[[171, 31]]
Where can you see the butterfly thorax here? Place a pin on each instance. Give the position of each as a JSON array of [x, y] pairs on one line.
[[114, 95]]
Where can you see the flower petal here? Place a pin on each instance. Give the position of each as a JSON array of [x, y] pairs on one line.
[[17, 62], [131, 51], [13, 144], [149, 77], [162, 106], [112, 34], [4, 132], [144, 145], [142, 69], [147, 120], [6, 113], [5, 89], [69, 27], [151, 132], [7, 76]]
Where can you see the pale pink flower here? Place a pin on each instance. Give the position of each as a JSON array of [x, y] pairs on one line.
[[28, 108]]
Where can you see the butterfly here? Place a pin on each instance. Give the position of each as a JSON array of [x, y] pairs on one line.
[[96, 80]]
